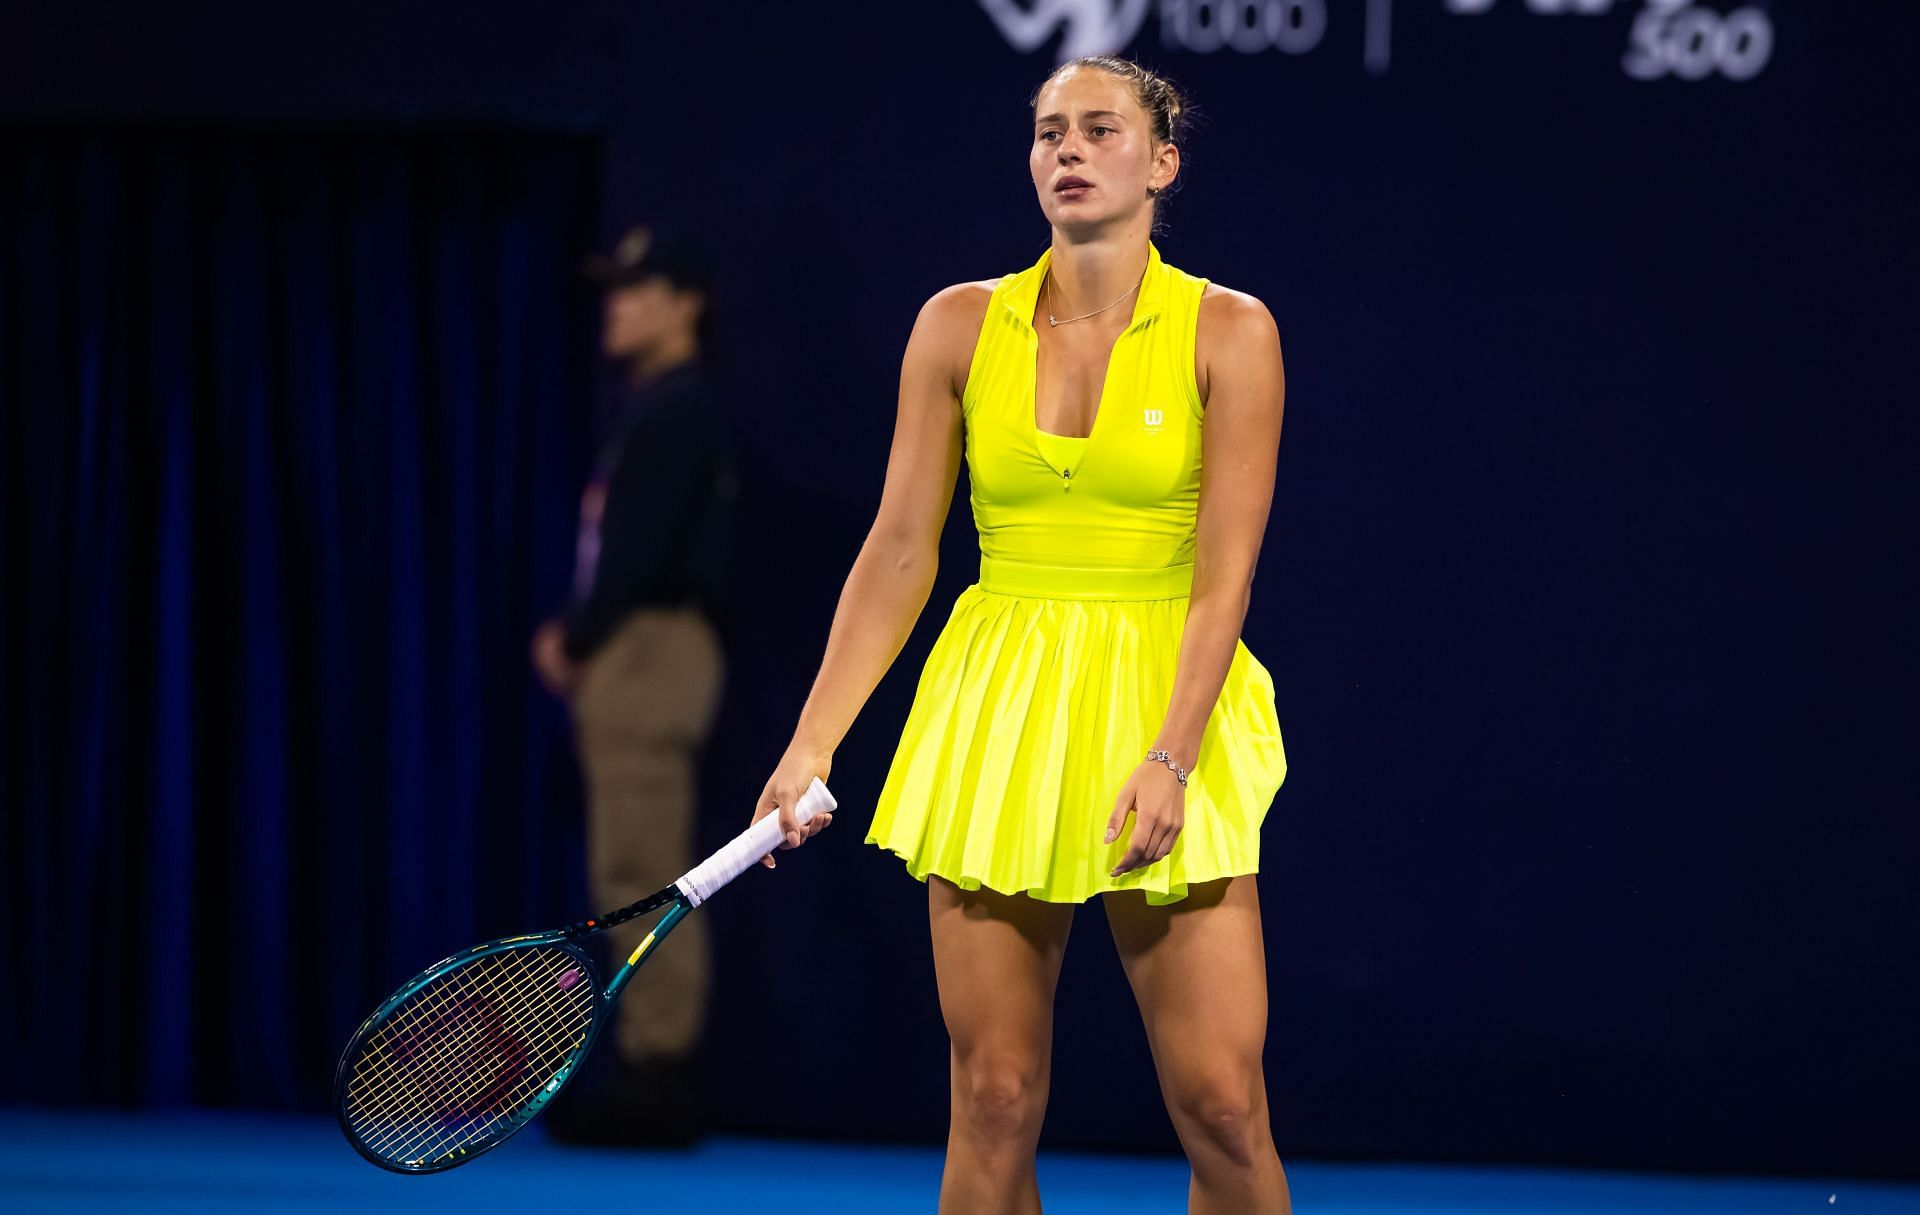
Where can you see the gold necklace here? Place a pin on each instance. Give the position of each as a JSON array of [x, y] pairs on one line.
[[1083, 316]]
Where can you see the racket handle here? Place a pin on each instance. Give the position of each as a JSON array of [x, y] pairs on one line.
[[746, 849]]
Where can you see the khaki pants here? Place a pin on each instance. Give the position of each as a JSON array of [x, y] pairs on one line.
[[643, 706]]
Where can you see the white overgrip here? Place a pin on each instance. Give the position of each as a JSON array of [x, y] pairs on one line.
[[744, 850]]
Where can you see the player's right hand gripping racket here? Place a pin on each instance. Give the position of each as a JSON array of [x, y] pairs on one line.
[[470, 1049]]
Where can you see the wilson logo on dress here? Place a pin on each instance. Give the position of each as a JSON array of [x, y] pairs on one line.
[[1153, 419]]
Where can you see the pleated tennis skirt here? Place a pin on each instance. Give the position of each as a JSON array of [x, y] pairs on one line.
[[1031, 713]]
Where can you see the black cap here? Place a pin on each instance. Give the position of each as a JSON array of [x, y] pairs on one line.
[[641, 254]]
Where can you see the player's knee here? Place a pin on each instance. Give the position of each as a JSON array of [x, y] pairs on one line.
[[1228, 1115], [1001, 1101]]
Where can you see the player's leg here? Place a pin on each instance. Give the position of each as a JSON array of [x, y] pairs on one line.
[[1198, 970], [997, 960]]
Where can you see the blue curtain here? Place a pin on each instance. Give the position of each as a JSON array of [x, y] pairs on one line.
[[289, 431]]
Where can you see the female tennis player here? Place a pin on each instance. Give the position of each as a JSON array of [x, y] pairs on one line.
[[1089, 721]]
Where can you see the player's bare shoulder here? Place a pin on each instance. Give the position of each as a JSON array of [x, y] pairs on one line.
[[957, 311], [949, 326], [1234, 328], [1231, 317]]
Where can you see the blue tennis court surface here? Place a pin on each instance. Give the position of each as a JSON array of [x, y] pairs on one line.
[[208, 1162]]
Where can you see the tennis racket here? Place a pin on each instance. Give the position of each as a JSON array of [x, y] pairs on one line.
[[471, 1048]]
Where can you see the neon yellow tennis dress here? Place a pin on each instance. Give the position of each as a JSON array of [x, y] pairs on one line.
[[1052, 676]]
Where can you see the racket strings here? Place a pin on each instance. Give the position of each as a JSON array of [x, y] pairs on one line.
[[433, 1016], [426, 1091], [492, 1111], [452, 1065], [438, 1074]]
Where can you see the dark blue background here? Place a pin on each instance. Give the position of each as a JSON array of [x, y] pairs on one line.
[[1586, 592]]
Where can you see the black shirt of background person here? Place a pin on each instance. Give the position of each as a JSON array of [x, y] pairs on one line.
[[669, 488]]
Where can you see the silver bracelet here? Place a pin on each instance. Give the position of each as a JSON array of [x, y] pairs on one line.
[[1166, 759]]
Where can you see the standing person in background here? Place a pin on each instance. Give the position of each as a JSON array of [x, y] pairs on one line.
[[639, 661]]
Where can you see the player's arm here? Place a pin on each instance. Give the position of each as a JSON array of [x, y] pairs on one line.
[[1241, 379], [893, 574], [1245, 384]]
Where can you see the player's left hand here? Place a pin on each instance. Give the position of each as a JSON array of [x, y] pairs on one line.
[[1158, 804]]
